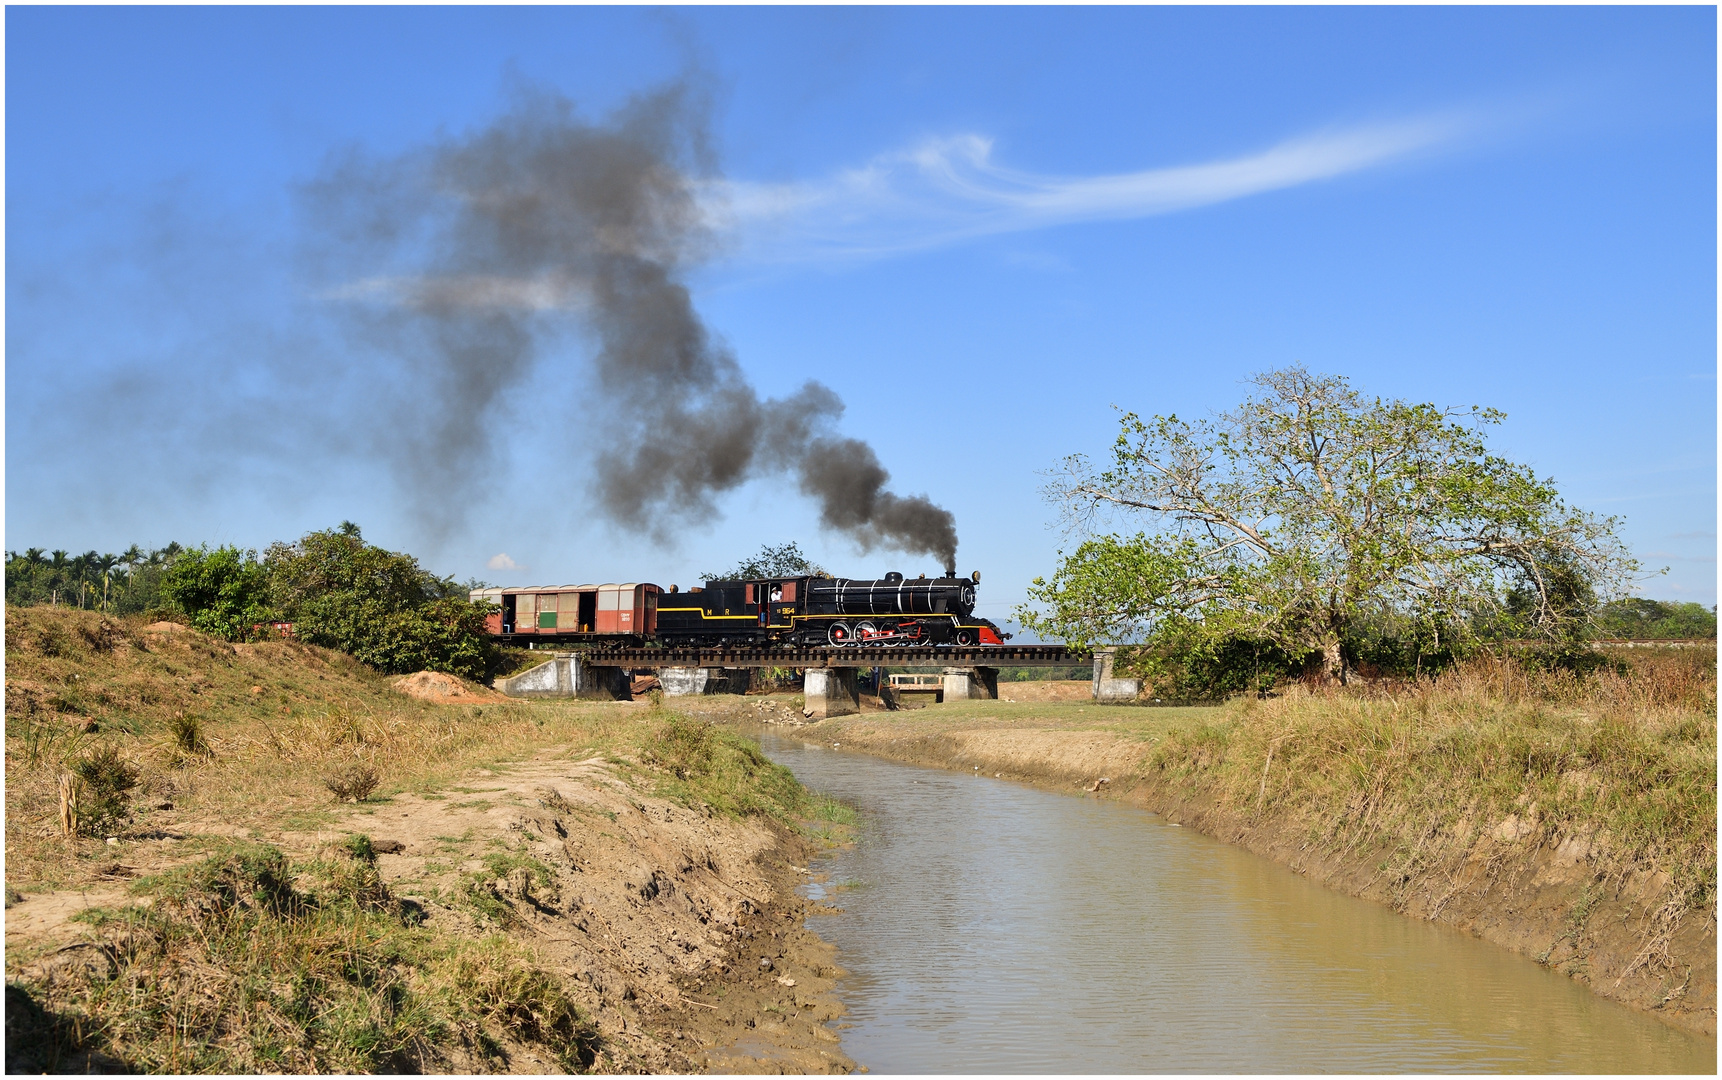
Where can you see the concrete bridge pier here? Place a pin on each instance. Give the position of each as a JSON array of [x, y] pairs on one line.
[[683, 681], [565, 675], [830, 692], [1107, 687], [971, 683]]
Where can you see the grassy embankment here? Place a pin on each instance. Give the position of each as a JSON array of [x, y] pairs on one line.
[[227, 950], [1571, 818]]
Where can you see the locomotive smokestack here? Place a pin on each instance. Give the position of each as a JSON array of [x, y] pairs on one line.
[[473, 257]]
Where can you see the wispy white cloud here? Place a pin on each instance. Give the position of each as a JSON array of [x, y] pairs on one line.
[[939, 192], [501, 561], [951, 189]]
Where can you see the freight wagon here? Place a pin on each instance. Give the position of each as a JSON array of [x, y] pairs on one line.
[[618, 614]]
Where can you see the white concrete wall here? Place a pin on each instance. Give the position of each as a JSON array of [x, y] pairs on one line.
[[1106, 686], [549, 679], [566, 676], [1118, 689], [678, 681], [830, 692]]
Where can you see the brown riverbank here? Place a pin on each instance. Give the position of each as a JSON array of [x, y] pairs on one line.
[[1507, 859], [537, 887]]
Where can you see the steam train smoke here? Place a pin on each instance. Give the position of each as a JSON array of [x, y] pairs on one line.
[[465, 259]]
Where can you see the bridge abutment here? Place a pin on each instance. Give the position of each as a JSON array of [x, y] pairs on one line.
[[565, 675], [1107, 687]]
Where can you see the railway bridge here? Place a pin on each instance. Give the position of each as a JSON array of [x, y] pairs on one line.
[[829, 673]]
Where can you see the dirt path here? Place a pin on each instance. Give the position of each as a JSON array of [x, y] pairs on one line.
[[1557, 899]]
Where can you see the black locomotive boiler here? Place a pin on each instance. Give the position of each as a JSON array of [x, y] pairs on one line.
[[837, 612]]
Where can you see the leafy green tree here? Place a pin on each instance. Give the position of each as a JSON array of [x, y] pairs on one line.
[[224, 590], [1308, 510], [1636, 617], [379, 606], [784, 560]]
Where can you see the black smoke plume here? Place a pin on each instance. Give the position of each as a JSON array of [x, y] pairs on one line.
[[466, 258]]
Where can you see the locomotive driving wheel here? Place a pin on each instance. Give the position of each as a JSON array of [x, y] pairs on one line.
[[865, 632], [839, 635]]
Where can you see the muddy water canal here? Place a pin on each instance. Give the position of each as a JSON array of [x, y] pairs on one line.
[[992, 927]]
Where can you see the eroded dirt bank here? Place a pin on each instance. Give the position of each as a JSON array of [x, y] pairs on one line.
[[266, 858], [1563, 899], [655, 918]]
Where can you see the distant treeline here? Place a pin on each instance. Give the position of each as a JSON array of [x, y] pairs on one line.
[[383, 608], [336, 590], [125, 584], [1643, 620]]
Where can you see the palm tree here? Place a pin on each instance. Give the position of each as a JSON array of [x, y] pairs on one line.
[[106, 563], [33, 556], [57, 577], [83, 566]]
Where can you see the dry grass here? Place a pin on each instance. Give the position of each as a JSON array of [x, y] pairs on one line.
[[1623, 759], [238, 967], [244, 962], [230, 734]]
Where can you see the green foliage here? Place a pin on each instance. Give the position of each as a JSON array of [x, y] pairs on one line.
[[785, 560], [1309, 511], [224, 590], [1069, 673], [125, 584], [1211, 669], [378, 606], [241, 875], [1640, 619]]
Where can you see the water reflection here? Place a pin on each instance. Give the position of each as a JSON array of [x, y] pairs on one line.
[[991, 927]]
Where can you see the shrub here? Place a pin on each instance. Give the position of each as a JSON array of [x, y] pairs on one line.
[[93, 795], [185, 740], [223, 590], [378, 606], [352, 783]]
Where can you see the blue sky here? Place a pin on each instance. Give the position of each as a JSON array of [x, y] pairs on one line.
[[984, 228]]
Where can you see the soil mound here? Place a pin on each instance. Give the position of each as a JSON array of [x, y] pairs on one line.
[[445, 689], [1061, 690], [165, 627]]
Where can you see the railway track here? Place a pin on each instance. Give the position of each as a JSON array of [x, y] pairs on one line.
[[852, 656]]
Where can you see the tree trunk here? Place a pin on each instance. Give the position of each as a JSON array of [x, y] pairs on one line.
[[1333, 660]]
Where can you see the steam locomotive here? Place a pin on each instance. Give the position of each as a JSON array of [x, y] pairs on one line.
[[777, 611]]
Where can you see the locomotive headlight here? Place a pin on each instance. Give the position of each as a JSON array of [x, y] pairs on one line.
[[977, 576]]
